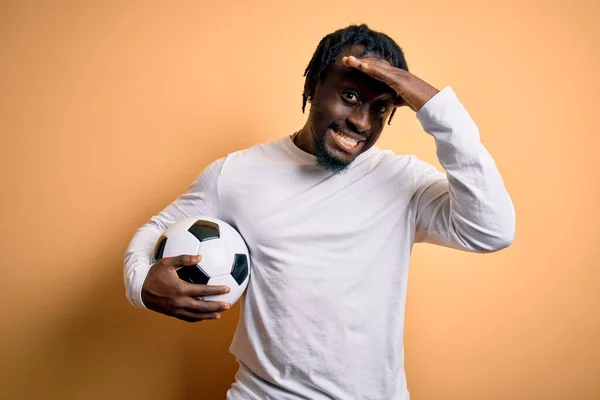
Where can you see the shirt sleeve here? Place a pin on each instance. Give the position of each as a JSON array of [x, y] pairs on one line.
[[467, 208], [201, 198]]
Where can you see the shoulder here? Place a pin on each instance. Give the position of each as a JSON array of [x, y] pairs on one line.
[[405, 168], [256, 155], [409, 164]]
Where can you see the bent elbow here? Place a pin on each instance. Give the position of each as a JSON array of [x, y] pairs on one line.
[[505, 234], [501, 244], [503, 239]]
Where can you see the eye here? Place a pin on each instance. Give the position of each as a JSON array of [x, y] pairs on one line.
[[381, 108], [350, 97]]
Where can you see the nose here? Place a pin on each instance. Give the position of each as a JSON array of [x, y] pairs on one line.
[[358, 119]]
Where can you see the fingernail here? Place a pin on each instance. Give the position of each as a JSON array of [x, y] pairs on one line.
[[218, 316], [226, 306]]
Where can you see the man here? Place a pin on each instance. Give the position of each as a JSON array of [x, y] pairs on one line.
[[330, 221]]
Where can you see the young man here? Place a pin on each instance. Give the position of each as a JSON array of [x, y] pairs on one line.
[[330, 221]]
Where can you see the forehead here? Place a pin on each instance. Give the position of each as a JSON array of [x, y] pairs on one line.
[[340, 74]]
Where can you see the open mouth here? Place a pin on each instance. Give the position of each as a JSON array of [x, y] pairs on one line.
[[349, 143]]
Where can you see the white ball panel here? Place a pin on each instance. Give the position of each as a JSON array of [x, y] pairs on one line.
[[181, 242], [179, 226], [236, 290], [235, 244], [233, 239], [216, 257]]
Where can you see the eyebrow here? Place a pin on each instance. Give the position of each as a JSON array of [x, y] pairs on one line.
[[385, 97], [347, 79]]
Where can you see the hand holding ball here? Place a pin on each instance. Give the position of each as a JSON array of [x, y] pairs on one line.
[[195, 288]]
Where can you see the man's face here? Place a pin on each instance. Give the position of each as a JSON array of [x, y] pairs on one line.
[[348, 112]]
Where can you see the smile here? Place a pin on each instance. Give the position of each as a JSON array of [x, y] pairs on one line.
[[346, 142]]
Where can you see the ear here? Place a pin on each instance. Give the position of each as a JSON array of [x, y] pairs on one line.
[[307, 92]]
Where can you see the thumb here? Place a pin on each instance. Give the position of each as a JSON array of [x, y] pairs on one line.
[[185, 259]]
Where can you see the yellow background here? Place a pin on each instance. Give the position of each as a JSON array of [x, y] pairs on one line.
[[109, 110]]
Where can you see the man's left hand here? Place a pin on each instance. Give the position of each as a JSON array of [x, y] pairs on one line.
[[411, 90]]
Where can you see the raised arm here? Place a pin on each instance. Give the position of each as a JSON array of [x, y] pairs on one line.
[[469, 207]]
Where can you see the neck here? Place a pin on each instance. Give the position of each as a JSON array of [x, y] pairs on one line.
[[305, 140]]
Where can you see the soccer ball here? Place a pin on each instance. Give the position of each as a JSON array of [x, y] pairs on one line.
[[225, 259]]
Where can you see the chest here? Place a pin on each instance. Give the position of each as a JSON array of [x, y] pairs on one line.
[[295, 209]]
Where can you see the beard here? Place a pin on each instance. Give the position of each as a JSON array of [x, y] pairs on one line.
[[324, 158]]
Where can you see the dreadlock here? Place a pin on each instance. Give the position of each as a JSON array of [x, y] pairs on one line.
[[331, 46]]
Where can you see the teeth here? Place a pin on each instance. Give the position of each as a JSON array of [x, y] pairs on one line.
[[347, 140]]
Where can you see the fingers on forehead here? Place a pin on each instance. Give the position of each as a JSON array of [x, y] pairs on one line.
[[377, 60]]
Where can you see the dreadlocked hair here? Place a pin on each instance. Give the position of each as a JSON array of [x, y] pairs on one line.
[[331, 46]]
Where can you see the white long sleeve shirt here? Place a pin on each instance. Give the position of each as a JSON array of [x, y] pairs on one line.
[[323, 314]]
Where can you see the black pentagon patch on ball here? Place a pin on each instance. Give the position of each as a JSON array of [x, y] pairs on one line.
[[239, 271], [160, 247], [204, 230], [193, 274]]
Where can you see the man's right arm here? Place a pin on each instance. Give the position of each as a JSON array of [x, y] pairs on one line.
[[201, 198]]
